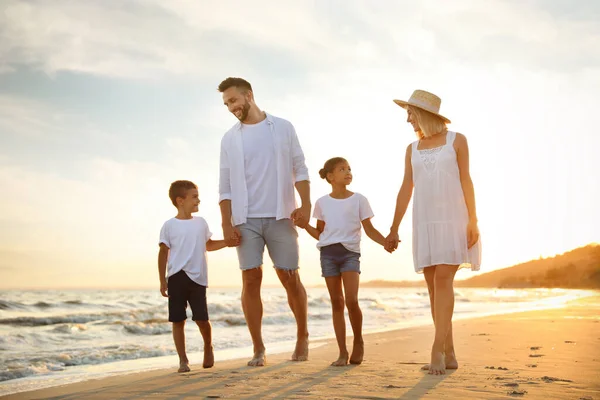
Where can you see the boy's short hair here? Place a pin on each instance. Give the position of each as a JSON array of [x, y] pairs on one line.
[[179, 189]]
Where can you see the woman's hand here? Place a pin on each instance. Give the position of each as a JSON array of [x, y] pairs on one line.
[[391, 242], [472, 233]]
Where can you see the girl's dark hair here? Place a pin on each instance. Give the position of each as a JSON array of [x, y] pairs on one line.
[[329, 166]]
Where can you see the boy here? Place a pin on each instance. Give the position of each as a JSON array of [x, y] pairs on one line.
[[184, 241]]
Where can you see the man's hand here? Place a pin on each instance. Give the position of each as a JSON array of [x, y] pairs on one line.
[[301, 216], [232, 235], [163, 288], [472, 233], [391, 242]]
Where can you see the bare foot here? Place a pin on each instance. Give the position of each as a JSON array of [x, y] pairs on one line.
[[341, 361], [259, 359], [451, 362], [184, 367], [301, 351], [209, 357], [358, 351], [437, 366]]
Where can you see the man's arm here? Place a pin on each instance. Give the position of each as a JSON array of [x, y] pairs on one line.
[[163, 256], [301, 215], [231, 235]]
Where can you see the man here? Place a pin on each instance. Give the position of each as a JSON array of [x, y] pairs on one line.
[[261, 162]]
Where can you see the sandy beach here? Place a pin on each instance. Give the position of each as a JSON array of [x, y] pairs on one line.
[[550, 354]]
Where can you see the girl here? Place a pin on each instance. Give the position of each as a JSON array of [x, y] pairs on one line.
[[339, 217], [445, 232]]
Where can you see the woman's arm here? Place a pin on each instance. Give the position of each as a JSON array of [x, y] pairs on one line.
[[462, 157], [402, 199]]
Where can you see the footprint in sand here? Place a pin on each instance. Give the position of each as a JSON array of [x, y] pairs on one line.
[[532, 365], [511, 384], [569, 341], [550, 379], [535, 347], [517, 393], [536, 355]]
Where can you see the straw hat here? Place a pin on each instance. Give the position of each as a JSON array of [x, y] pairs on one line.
[[425, 101]]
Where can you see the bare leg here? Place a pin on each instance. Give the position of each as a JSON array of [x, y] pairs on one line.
[[298, 302], [351, 281], [206, 331], [334, 285], [444, 308], [179, 339], [450, 356], [253, 312]]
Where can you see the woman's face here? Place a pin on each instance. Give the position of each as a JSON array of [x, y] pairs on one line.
[[412, 119]]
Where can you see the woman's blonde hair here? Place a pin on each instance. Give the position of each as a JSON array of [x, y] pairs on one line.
[[429, 124]]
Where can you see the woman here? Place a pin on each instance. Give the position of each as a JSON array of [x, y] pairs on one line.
[[445, 232]]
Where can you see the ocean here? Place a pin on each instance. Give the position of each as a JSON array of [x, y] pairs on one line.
[[54, 337]]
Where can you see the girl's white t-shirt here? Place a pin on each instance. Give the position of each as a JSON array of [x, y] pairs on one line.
[[342, 219], [186, 240]]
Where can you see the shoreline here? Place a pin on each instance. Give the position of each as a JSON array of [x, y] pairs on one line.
[[278, 354]]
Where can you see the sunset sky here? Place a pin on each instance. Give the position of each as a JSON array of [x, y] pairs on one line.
[[104, 104]]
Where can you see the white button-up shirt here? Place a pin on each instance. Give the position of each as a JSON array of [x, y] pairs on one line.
[[289, 160]]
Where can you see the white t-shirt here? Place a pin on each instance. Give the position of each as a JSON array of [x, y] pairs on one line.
[[186, 239], [342, 219], [260, 169]]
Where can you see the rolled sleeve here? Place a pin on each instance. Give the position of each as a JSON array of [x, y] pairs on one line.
[[299, 165], [224, 176]]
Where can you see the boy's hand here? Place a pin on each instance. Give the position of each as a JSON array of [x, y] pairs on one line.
[[163, 288]]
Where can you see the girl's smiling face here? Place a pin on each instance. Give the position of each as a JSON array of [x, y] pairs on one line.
[[341, 174]]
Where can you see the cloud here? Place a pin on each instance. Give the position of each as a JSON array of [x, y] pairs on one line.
[[199, 39]]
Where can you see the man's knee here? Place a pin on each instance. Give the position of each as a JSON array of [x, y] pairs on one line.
[[289, 279]]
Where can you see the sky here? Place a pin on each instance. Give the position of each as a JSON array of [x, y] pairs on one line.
[[104, 104]]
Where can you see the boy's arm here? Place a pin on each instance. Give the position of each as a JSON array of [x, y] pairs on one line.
[[373, 233], [213, 245], [163, 255], [315, 232]]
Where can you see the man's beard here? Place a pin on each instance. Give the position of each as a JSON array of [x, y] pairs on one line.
[[245, 111]]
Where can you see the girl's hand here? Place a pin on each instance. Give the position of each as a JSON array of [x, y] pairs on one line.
[[391, 242], [472, 233]]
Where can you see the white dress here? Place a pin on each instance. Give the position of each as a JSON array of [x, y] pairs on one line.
[[440, 213]]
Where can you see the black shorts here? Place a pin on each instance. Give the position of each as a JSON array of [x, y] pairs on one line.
[[182, 290]]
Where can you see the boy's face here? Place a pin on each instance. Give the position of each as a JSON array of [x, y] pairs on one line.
[[190, 202]]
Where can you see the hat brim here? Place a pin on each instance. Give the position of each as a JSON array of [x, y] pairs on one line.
[[403, 104]]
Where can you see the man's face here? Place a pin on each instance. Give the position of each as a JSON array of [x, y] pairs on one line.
[[237, 102]]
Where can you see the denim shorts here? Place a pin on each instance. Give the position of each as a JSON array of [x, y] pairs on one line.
[[336, 259], [280, 237]]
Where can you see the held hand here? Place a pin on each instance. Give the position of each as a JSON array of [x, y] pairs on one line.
[[301, 216], [472, 233], [391, 242], [232, 236], [163, 288]]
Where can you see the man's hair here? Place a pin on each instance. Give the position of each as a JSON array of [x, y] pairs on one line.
[[179, 189], [239, 83]]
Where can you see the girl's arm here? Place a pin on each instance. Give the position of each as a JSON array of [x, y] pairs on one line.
[[315, 232], [462, 158], [212, 245], [373, 233], [403, 197]]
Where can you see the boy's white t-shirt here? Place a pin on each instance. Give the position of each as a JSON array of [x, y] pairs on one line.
[[342, 219], [261, 170], [186, 240]]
